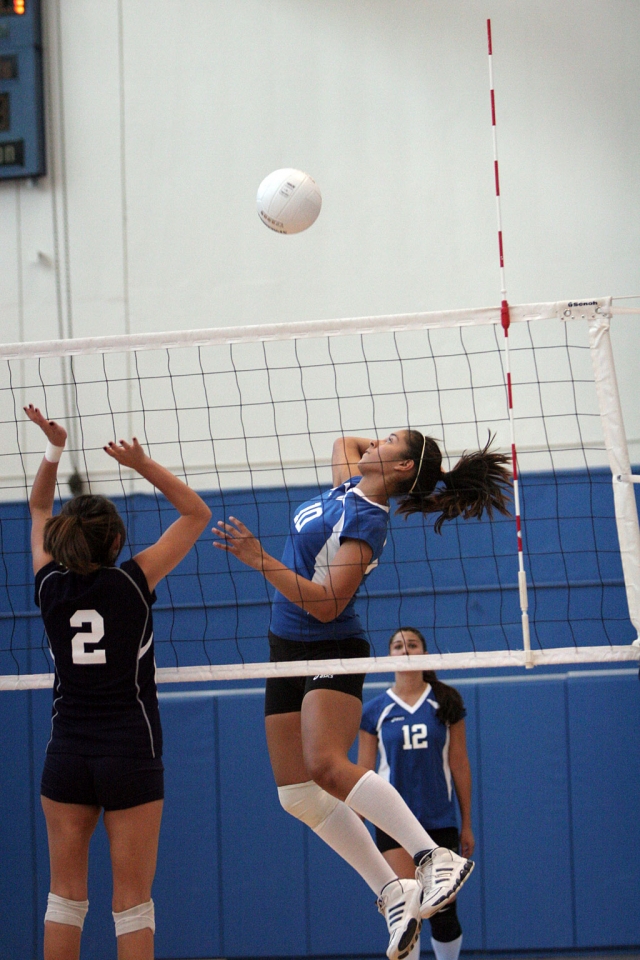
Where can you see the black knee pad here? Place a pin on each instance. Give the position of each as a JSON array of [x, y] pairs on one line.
[[445, 925]]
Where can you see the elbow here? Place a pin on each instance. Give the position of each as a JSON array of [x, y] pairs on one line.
[[328, 611], [204, 515]]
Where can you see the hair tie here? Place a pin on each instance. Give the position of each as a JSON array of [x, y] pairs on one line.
[[424, 443]]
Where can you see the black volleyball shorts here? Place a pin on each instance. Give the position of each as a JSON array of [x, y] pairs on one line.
[[114, 783], [443, 837], [285, 694]]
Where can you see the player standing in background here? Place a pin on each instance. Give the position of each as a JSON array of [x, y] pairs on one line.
[[418, 729], [105, 748]]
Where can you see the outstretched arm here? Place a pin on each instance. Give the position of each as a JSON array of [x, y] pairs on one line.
[[324, 601], [461, 773], [174, 544], [345, 458], [44, 485]]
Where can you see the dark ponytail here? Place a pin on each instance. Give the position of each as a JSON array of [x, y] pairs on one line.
[[83, 534], [450, 703], [479, 482]]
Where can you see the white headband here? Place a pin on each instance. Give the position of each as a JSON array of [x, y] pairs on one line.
[[424, 443]]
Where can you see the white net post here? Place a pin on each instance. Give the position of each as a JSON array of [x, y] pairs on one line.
[[618, 453]]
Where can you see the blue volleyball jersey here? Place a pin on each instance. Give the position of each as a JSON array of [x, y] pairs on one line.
[[317, 529], [100, 633], [414, 755]]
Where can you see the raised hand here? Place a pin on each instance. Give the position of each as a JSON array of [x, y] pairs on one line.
[[238, 540], [54, 432], [128, 454]]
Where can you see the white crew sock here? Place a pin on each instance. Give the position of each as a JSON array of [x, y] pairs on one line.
[[377, 801], [344, 832], [446, 951]]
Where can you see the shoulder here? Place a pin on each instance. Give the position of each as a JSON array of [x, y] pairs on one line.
[[44, 575], [43, 572], [372, 709], [134, 574], [357, 504]]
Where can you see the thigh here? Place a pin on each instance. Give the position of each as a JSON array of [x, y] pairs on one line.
[[284, 742], [330, 721], [69, 830], [133, 843]]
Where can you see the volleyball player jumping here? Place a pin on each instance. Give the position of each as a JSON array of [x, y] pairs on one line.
[[311, 722], [105, 748]]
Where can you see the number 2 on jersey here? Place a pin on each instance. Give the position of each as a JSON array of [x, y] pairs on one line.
[[81, 639], [414, 737]]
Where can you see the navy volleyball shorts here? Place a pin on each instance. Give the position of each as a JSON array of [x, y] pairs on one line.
[[442, 836], [285, 694], [115, 783]]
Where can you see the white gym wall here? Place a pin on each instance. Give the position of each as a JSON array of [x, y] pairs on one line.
[[164, 116]]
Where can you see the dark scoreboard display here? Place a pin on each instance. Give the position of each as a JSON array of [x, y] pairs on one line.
[[21, 94]]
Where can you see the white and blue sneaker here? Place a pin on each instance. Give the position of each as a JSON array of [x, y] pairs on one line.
[[399, 903], [440, 873]]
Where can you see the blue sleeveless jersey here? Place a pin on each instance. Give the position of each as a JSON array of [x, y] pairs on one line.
[[100, 633], [317, 529], [414, 755]]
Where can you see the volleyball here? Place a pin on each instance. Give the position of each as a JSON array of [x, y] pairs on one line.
[[288, 201]]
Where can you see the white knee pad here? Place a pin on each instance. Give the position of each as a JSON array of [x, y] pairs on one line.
[[307, 802], [135, 918], [60, 910]]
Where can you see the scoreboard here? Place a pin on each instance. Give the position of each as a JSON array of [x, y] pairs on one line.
[[22, 151]]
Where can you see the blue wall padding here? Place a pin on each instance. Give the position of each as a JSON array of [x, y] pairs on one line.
[[460, 587], [262, 848], [525, 815], [187, 837], [604, 720], [555, 761], [19, 909], [556, 793]]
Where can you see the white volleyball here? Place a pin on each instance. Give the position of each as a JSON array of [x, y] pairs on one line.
[[288, 201]]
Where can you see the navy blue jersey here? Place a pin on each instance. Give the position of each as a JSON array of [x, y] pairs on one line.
[[414, 754], [318, 528], [100, 632]]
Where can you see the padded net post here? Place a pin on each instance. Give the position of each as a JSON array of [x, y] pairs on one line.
[[615, 438]]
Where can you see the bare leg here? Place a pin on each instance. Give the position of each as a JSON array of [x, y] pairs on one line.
[[284, 742], [133, 841], [330, 721], [400, 862], [69, 830]]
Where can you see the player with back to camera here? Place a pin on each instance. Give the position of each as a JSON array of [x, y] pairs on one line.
[[105, 747], [311, 722], [418, 728]]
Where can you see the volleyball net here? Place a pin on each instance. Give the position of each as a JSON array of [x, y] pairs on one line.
[[248, 416]]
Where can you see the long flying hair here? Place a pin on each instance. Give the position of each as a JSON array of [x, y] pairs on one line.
[[84, 533], [450, 703], [480, 482]]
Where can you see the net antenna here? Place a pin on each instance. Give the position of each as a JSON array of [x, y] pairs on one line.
[[505, 321]]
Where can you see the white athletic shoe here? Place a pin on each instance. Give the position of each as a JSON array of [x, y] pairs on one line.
[[440, 874], [399, 903]]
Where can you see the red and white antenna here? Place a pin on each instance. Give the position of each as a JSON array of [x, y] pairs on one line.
[[505, 321]]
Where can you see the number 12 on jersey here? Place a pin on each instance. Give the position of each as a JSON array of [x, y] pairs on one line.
[[414, 737]]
